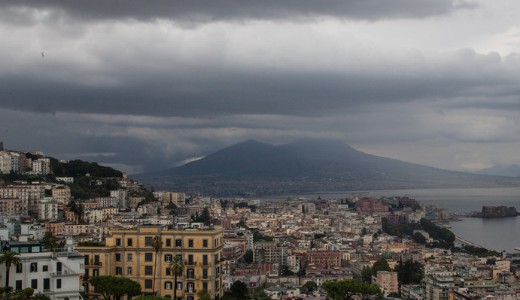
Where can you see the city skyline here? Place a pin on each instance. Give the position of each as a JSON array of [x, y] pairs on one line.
[[142, 87]]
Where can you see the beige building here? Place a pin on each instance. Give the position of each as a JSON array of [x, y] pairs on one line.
[[61, 193], [130, 253], [387, 281]]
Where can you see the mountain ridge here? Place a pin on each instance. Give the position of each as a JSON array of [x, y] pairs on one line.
[[309, 165]]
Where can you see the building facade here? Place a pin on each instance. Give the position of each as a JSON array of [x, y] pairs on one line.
[[55, 274], [130, 253]]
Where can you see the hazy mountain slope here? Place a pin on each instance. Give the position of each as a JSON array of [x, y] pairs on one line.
[[306, 166], [501, 170]]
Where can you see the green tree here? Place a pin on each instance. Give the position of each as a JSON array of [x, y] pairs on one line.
[[419, 238], [285, 271], [248, 256], [26, 293], [409, 272], [203, 295], [176, 268], [380, 265], [261, 295], [239, 290], [50, 241], [40, 297], [149, 297], [345, 289], [366, 274], [157, 246], [309, 287], [9, 258], [113, 288]]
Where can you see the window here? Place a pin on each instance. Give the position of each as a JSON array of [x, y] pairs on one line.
[[59, 267], [34, 267], [168, 271], [148, 270], [191, 287], [167, 285], [129, 242], [19, 268], [178, 243], [204, 273], [190, 259], [18, 285], [58, 283], [119, 271], [118, 242], [190, 273], [34, 284], [168, 257], [205, 243], [46, 284], [129, 271], [148, 241], [95, 273], [147, 283], [129, 257], [168, 242], [118, 256], [205, 259], [179, 286], [148, 256], [205, 286], [45, 268], [190, 243]]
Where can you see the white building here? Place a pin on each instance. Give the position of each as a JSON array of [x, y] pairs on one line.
[[55, 274], [5, 162], [121, 197], [41, 166], [48, 209]]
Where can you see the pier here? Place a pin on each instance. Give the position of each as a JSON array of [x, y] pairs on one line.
[[462, 242]]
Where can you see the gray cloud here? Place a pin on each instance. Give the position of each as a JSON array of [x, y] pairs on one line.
[[131, 87], [201, 11]]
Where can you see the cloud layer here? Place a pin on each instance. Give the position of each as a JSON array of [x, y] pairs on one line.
[[143, 86]]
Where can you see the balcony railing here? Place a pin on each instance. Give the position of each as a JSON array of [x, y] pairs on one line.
[[95, 264]]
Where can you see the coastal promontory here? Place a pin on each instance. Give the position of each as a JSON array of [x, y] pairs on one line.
[[497, 212]]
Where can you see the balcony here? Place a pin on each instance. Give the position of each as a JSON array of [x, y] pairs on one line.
[[64, 273], [189, 263], [95, 265]]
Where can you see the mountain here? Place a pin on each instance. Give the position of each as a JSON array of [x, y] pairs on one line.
[[304, 166], [502, 170]]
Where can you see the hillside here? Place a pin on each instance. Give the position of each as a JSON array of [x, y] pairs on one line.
[[307, 166]]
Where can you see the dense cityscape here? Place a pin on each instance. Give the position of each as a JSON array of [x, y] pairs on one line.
[[77, 230]]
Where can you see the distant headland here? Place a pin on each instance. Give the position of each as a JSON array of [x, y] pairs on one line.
[[497, 212]]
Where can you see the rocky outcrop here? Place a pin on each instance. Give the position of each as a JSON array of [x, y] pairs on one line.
[[497, 212]]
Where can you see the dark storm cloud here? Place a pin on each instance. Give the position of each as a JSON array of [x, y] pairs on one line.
[[233, 93], [211, 10]]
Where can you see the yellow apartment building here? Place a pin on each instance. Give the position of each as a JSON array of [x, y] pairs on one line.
[[129, 253]]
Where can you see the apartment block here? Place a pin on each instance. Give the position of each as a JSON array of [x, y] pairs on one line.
[[55, 274], [129, 253]]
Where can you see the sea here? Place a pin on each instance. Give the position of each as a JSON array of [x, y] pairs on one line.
[[495, 234]]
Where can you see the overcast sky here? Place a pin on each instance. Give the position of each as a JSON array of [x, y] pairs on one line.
[[141, 85]]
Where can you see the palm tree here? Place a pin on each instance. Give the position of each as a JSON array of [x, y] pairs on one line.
[[176, 268], [157, 246], [9, 258]]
